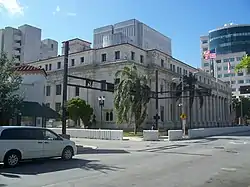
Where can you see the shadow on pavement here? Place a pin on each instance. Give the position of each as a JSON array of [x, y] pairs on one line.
[[53, 165], [158, 149], [87, 150], [2, 185]]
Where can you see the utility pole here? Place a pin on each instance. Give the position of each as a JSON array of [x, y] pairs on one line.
[[65, 83], [156, 99]]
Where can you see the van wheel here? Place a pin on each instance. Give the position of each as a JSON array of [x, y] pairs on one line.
[[12, 159], [67, 153]]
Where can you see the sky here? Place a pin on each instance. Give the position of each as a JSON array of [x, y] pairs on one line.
[[184, 21]]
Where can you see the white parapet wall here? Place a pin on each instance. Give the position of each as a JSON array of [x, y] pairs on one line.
[[150, 135], [175, 135], [206, 132], [92, 133]]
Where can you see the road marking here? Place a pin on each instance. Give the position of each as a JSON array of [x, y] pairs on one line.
[[232, 142], [229, 169]]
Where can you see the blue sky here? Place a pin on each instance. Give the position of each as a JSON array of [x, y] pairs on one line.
[[184, 21]]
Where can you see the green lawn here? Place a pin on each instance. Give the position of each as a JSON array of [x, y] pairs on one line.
[[127, 134]]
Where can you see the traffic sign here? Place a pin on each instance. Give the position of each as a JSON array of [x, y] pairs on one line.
[[183, 116]]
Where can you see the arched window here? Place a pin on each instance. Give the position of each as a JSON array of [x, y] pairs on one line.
[[111, 116], [107, 116]]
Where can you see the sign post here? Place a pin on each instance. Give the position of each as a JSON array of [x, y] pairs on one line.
[[183, 117]]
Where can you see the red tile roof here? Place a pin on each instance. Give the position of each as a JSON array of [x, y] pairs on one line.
[[30, 69]]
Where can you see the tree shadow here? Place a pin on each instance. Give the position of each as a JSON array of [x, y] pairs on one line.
[[3, 185], [87, 150], [53, 165]]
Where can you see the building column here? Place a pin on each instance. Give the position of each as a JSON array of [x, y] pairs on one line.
[[194, 112], [216, 105]]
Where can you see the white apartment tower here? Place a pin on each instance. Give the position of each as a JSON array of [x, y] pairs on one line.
[[133, 32], [25, 45]]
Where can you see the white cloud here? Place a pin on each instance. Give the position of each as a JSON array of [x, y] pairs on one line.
[[12, 6], [58, 9], [71, 14]]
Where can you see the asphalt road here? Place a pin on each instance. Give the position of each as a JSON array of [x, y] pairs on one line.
[[212, 162]]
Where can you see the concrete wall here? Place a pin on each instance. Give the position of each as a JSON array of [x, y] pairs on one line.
[[32, 88]]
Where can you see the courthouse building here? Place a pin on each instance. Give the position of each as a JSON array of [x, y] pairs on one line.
[[103, 63]]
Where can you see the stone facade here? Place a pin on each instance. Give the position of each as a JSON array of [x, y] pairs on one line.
[[102, 64]]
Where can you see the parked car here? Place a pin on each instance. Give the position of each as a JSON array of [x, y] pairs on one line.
[[26, 143]]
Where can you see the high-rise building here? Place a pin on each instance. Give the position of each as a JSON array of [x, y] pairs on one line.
[[133, 32], [25, 45], [230, 42]]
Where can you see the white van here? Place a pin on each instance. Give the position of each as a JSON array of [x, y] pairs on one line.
[[24, 143]]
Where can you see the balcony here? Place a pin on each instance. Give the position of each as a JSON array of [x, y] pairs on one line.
[[17, 53], [17, 45], [17, 38]]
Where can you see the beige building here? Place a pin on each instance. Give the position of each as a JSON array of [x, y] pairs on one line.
[[102, 64]]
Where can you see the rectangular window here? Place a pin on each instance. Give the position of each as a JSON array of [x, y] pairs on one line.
[[240, 74], [72, 62], [58, 65], [219, 68], [132, 55], [58, 89], [205, 49], [117, 55], [52, 46], [47, 90], [77, 91], [226, 60], [218, 61], [46, 67], [82, 60], [219, 76], [240, 81], [141, 59], [161, 88], [50, 66], [232, 82], [162, 113], [57, 107], [231, 59], [206, 64], [103, 85], [227, 75], [104, 57], [204, 41], [162, 63], [225, 68], [238, 58], [173, 68]]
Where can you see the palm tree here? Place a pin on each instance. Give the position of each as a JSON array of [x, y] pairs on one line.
[[189, 86], [132, 95], [244, 64]]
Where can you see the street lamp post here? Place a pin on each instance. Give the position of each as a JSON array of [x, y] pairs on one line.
[[241, 111], [101, 100]]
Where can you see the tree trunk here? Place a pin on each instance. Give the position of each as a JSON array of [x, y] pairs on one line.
[[136, 127]]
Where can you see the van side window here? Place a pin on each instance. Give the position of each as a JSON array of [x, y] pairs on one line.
[[21, 134]]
